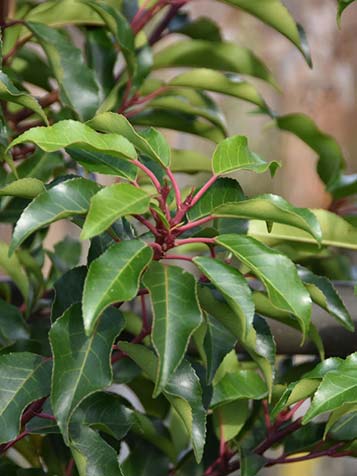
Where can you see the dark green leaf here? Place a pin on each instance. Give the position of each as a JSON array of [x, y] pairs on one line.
[[113, 277], [24, 378], [304, 439], [173, 293], [342, 5], [12, 324], [344, 186], [251, 463], [154, 462], [61, 201], [68, 291], [202, 28], [75, 358]]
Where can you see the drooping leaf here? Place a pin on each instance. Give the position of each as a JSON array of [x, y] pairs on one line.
[[113, 277], [12, 266], [275, 14], [234, 287], [154, 145], [68, 290], [276, 271], [233, 154], [221, 56], [176, 315], [183, 392], [25, 187], [271, 208], [201, 28], [63, 200], [9, 92], [112, 203], [335, 232], [224, 190], [325, 295], [228, 84], [331, 158], [12, 325], [75, 356], [24, 378], [229, 419], [70, 133]]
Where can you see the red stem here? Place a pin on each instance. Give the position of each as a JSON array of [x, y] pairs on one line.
[[70, 467], [175, 187], [318, 454], [46, 416], [193, 224], [178, 257], [187, 241], [150, 174], [148, 225], [144, 313], [203, 190]]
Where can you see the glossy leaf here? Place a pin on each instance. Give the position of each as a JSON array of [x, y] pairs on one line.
[[183, 392], [78, 88], [152, 144], [10, 93], [113, 277], [112, 203], [271, 208], [342, 424], [215, 81], [25, 187], [13, 268], [68, 290], [233, 154], [24, 378], [275, 14], [63, 200], [12, 325], [251, 463], [176, 315], [154, 462], [75, 356], [70, 133], [221, 56], [276, 271], [335, 232], [326, 295], [230, 419]]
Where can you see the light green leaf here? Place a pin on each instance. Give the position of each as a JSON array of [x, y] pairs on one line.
[[234, 287], [176, 315], [275, 14], [221, 56], [112, 203], [25, 187], [70, 133], [189, 162], [10, 93], [335, 232], [229, 419], [113, 277], [12, 325], [75, 358], [277, 273], [229, 84], [12, 266], [324, 294], [152, 144], [233, 154], [183, 392], [271, 208], [342, 424], [24, 378], [61, 201], [78, 87]]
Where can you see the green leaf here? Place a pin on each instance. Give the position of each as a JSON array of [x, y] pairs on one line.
[[10, 93], [221, 56], [189, 162], [331, 159], [304, 439], [68, 290], [113, 277], [12, 266], [12, 325], [271, 208], [202, 28], [224, 190], [275, 14], [61, 201], [75, 134], [342, 5], [228, 84], [118, 124], [81, 363], [229, 419], [154, 462], [24, 378], [277, 273], [335, 232], [112, 203], [233, 154], [78, 87], [237, 386], [344, 186], [183, 392], [324, 294], [25, 187], [342, 424], [101, 163], [176, 315], [337, 388], [93, 456], [251, 463], [234, 287]]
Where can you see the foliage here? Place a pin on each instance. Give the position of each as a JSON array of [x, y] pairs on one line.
[[125, 362]]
